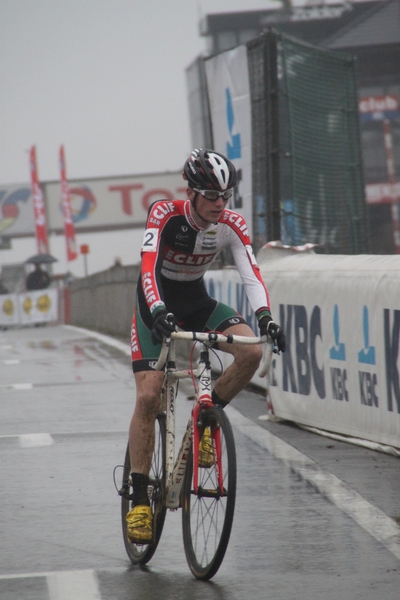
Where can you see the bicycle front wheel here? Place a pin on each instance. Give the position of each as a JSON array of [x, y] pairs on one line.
[[207, 516], [138, 553]]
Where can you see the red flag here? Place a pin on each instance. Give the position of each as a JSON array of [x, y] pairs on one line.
[[69, 229], [38, 206]]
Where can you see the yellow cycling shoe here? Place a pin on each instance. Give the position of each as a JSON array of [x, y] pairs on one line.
[[140, 525], [206, 450]]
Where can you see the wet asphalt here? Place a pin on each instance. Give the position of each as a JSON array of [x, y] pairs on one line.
[[315, 518]]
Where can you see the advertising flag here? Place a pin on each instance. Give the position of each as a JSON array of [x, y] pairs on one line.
[[69, 229], [38, 206]]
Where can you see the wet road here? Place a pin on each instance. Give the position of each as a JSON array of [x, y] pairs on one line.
[[315, 518]]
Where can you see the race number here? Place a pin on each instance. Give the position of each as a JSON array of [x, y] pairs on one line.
[[150, 240]]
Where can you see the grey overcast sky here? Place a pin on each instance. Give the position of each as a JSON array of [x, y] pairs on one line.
[[106, 78]]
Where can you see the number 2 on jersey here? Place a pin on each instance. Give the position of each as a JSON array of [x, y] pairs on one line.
[[150, 240]]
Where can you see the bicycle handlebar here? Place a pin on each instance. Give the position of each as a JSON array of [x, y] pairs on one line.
[[212, 337]]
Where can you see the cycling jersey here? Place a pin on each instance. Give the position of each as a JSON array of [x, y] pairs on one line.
[[175, 248], [176, 253]]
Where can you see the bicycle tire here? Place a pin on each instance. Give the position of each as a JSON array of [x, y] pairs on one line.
[[208, 516], [141, 554]]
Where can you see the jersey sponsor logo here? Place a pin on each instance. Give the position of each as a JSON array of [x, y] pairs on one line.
[[181, 240], [234, 321], [236, 220], [134, 340], [150, 240], [161, 210], [209, 240], [209, 245], [179, 258], [148, 290]]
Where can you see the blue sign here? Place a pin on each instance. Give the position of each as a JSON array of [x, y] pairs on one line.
[[338, 351], [234, 147]]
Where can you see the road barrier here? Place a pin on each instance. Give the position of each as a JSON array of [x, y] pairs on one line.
[[341, 317], [104, 301], [26, 308]]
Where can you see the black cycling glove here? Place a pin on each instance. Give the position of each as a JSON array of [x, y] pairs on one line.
[[162, 326], [269, 327]]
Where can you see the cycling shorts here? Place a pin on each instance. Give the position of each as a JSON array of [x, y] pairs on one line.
[[194, 310]]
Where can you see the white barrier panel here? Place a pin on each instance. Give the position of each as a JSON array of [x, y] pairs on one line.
[[341, 317], [29, 307], [9, 310]]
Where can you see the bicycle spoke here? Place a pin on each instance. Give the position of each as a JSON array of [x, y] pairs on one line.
[[141, 554], [207, 516]]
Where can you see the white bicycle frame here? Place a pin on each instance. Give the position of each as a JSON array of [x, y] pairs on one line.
[[175, 471]]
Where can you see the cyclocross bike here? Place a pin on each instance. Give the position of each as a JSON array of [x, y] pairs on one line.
[[206, 495]]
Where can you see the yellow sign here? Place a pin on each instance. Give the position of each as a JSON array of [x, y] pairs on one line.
[[8, 307], [27, 305], [43, 303]]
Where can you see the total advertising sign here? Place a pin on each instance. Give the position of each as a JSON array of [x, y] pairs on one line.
[[116, 202], [96, 204], [16, 210], [112, 203], [341, 318]]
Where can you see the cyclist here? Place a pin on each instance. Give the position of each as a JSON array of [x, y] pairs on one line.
[[181, 240]]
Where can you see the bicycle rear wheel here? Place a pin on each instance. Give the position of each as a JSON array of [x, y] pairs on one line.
[[141, 554], [207, 516]]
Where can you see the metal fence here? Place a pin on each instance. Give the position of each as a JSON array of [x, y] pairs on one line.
[[307, 166]]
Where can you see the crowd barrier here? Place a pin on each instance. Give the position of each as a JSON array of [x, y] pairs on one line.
[[341, 317], [29, 307]]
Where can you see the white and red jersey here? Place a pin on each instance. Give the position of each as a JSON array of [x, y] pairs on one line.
[[175, 247]]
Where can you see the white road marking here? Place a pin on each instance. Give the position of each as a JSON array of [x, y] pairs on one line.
[[73, 585], [17, 386], [30, 440], [12, 361], [66, 585], [369, 517]]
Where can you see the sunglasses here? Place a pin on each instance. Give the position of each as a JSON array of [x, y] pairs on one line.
[[214, 195]]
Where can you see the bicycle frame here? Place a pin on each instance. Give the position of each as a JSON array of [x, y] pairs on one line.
[[175, 470]]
